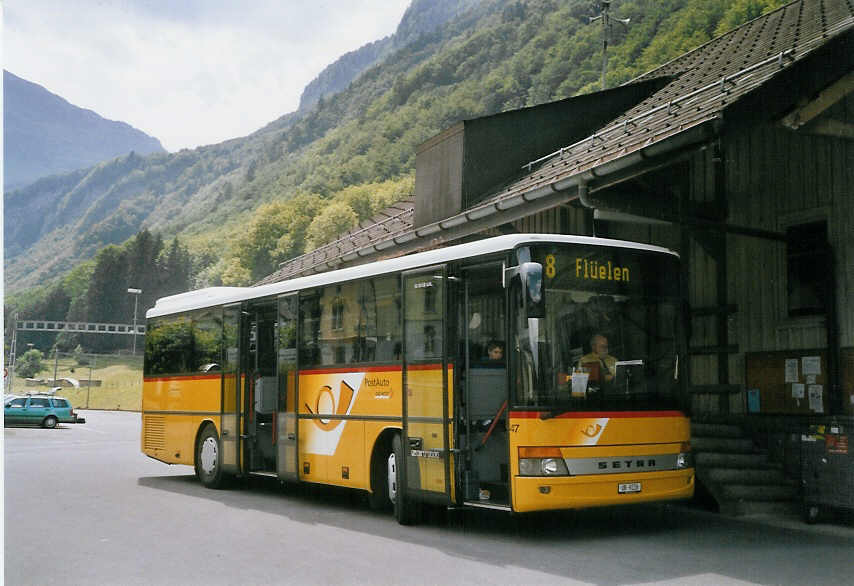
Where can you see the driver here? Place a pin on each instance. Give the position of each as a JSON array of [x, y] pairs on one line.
[[607, 364]]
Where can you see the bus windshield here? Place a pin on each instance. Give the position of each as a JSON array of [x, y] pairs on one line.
[[605, 331]]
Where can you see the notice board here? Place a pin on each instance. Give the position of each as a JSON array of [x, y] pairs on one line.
[[789, 382]]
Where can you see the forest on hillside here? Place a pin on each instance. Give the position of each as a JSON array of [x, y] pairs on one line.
[[241, 207]]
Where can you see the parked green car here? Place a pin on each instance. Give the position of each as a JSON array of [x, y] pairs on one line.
[[44, 410]]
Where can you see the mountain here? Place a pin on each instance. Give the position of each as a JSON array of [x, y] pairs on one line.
[[422, 17], [247, 204], [45, 135]]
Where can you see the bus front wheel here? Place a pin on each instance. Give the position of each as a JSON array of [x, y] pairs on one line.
[[209, 458], [405, 510], [379, 497]]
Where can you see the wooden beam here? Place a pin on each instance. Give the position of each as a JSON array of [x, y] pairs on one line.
[[714, 389], [832, 128], [824, 100], [716, 310], [706, 350]]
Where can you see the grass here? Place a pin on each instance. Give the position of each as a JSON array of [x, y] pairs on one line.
[[120, 376]]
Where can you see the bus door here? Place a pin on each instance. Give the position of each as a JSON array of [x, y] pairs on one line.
[[230, 426], [484, 402], [426, 437], [286, 417], [260, 390]]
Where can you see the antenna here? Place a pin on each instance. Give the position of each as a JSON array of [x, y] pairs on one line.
[[606, 18]]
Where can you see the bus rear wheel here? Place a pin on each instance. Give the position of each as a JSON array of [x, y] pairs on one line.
[[209, 458]]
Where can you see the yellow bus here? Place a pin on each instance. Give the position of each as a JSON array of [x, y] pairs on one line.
[[519, 373]]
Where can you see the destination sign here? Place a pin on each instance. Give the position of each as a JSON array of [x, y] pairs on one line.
[[593, 269], [608, 270]]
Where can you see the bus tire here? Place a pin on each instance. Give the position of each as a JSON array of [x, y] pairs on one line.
[[209, 458], [405, 509], [378, 498]]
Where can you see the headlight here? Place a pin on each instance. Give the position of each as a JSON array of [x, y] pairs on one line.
[[684, 460], [529, 467], [550, 466], [542, 467]]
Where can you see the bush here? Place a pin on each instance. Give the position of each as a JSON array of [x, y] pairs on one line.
[[80, 357], [30, 363]]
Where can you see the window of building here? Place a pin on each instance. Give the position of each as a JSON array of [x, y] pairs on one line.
[[808, 269], [338, 314]]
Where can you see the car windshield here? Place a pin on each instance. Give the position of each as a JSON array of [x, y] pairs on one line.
[[605, 334]]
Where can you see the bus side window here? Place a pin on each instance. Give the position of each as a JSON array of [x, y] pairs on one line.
[[310, 313], [386, 296]]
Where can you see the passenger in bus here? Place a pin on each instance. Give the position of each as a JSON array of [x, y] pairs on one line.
[[601, 365], [495, 351]]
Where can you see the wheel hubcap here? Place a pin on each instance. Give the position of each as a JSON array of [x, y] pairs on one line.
[[392, 478], [208, 455]]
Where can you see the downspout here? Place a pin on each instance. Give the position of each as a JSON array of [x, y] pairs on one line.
[[584, 198]]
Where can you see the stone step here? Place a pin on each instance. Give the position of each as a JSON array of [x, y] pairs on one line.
[[725, 445], [746, 476], [728, 460], [758, 492], [716, 430]]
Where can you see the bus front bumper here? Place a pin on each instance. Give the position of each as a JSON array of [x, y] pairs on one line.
[[546, 493]]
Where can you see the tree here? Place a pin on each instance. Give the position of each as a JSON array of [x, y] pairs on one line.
[[175, 269], [140, 257], [326, 226], [80, 357], [107, 297], [30, 363]]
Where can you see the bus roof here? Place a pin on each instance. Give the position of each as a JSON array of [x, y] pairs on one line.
[[214, 296]]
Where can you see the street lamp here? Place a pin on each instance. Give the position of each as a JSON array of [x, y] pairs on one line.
[[136, 293]]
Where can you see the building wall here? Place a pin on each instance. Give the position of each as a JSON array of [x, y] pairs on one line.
[[773, 178], [777, 178]]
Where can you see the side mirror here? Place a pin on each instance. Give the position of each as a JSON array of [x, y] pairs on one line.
[[531, 274]]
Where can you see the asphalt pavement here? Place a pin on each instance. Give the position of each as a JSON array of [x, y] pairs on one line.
[[83, 505]]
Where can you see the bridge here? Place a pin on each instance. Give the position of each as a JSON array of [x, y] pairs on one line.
[[78, 327]]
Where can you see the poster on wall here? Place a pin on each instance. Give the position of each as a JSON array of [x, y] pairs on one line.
[[798, 391], [811, 365], [815, 394], [791, 370]]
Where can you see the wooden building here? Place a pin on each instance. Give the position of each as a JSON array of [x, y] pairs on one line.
[[739, 155]]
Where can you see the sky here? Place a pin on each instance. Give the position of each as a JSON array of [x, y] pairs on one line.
[[188, 72]]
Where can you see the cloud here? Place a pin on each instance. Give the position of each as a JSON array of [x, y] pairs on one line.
[[191, 72]]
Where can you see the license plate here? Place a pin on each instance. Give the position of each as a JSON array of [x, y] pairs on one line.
[[629, 487]]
